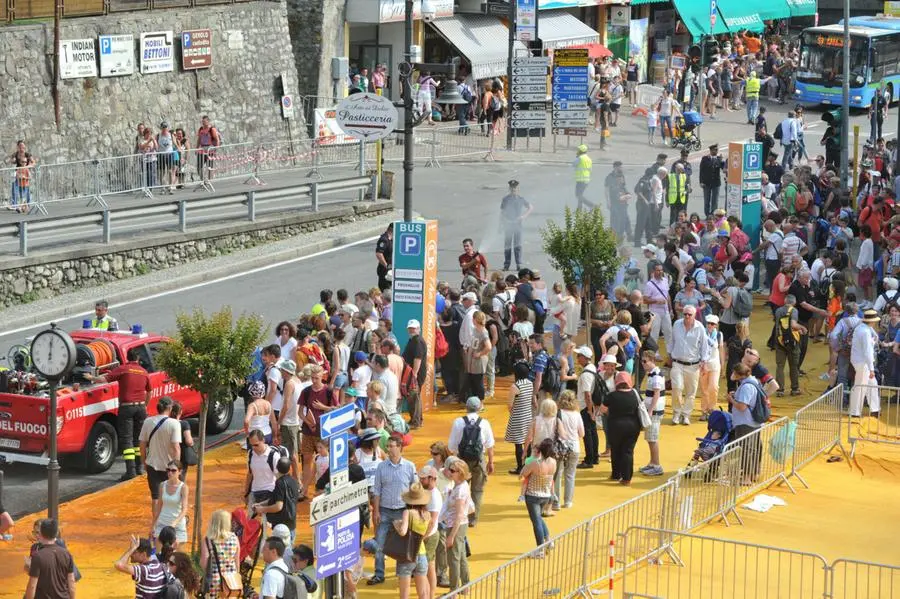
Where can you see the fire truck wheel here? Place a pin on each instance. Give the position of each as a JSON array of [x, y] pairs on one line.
[[101, 448], [219, 418]]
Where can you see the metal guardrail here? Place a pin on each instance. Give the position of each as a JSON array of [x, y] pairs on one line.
[[766, 453], [204, 209], [879, 417], [819, 425]]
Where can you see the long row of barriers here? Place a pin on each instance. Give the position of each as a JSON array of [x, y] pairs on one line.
[[658, 563], [578, 561], [879, 420]]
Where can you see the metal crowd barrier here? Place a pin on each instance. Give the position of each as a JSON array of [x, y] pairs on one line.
[[707, 567], [818, 430], [879, 425], [699, 566], [765, 455], [188, 211], [648, 94]]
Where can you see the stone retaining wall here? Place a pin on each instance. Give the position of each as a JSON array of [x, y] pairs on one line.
[[24, 280]]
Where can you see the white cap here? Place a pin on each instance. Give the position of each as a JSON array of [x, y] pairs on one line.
[[650, 248], [413, 324], [608, 359], [585, 351], [712, 319], [469, 296]]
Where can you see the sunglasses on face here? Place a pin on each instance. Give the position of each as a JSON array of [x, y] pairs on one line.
[[171, 469], [453, 471]]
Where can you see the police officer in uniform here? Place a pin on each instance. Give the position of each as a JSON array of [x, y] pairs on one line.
[[134, 394], [384, 253], [513, 211], [102, 320]]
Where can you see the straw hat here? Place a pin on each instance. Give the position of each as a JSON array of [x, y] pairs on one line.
[[416, 495], [871, 316]]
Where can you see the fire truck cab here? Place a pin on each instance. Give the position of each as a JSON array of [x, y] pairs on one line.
[[86, 412]]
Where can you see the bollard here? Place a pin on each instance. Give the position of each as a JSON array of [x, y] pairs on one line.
[[107, 229], [361, 194], [315, 197], [182, 216], [251, 206], [23, 238]]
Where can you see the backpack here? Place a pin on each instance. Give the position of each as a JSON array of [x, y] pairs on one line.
[[801, 202], [632, 279], [742, 304], [297, 586], [466, 93], [274, 450], [786, 335], [408, 382], [172, 589], [823, 287], [599, 391], [761, 412], [315, 355], [551, 382], [441, 347], [502, 363], [470, 445], [778, 134], [506, 307], [496, 105]]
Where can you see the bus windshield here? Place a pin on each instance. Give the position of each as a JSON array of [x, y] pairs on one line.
[[822, 59]]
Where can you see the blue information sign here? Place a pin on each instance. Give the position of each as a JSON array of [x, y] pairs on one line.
[[337, 543], [338, 452], [337, 421]]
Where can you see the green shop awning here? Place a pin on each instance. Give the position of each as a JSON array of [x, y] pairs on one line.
[[773, 10], [802, 8], [743, 14], [639, 2], [695, 16]]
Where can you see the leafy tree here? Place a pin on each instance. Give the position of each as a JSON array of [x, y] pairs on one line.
[[208, 353], [583, 249]]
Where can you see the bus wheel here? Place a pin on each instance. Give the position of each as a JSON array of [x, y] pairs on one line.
[[100, 451]]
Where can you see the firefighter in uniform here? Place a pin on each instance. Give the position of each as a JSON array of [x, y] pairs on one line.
[[583, 165], [384, 253], [134, 394], [102, 320], [677, 192]]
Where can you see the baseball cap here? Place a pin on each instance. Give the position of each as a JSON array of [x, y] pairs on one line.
[[413, 324], [585, 351], [360, 356], [704, 260], [428, 471], [650, 248], [469, 296], [712, 319]]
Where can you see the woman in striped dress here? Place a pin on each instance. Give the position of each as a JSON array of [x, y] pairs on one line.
[[520, 412]]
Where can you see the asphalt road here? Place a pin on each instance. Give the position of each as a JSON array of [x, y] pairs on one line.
[[464, 197]]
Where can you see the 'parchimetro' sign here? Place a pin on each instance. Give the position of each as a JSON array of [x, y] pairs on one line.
[[367, 116]]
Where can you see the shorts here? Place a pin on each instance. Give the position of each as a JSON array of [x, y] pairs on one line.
[[431, 544], [651, 433], [416, 568], [866, 275], [154, 479], [261, 496], [341, 380], [165, 160], [308, 444], [290, 438], [614, 107], [630, 86]]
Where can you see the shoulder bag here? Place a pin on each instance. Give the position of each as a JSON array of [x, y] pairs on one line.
[[561, 447], [404, 548], [643, 414], [228, 581]]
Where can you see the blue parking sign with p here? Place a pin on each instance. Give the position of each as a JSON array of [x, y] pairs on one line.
[[410, 244], [752, 157], [186, 39], [105, 45], [338, 452]]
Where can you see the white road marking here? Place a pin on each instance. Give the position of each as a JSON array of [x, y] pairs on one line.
[[202, 284]]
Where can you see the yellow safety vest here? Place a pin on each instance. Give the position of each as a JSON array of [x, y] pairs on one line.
[[102, 324], [753, 87], [583, 169], [677, 189]]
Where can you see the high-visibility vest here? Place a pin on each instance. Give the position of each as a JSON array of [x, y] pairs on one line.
[[104, 324], [677, 189], [752, 87], [583, 169]]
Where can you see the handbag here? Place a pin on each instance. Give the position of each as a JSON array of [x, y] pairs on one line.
[[405, 548], [560, 448], [189, 455], [643, 414]]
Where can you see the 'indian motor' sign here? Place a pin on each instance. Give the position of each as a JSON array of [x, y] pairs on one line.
[[367, 116], [77, 58], [196, 49], [157, 55]]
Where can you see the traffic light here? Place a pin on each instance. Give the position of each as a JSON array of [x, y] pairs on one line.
[[834, 117], [711, 47]]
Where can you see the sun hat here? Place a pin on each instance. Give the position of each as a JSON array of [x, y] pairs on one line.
[[608, 359], [712, 319], [416, 495], [368, 434], [286, 364], [871, 316]]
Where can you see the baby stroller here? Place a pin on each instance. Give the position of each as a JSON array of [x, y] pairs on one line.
[[685, 135], [249, 532], [718, 433]]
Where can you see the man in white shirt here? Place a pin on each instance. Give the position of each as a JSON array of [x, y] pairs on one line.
[[584, 356], [689, 351], [477, 466], [289, 418], [771, 250], [262, 463], [274, 382], [656, 296], [789, 137], [382, 372], [862, 356], [467, 329], [272, 586]]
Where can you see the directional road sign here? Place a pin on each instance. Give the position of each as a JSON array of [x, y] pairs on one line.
[[338, 501], [337, 421], [337, 544], [529, 92], [519, 61], [570, 88]]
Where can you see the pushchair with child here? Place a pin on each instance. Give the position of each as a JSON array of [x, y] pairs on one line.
[[686, 133], [719, 429]]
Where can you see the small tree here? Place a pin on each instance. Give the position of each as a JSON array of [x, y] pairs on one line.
[[209, 353], [584, 249]]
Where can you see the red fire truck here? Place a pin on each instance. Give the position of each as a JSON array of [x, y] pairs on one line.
[[86, 413]]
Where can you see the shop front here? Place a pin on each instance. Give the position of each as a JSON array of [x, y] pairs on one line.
[[477, 44]]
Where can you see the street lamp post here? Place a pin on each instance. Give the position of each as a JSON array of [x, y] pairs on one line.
[[845, 103]]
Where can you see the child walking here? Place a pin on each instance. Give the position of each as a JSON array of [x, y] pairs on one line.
[[652, 124]]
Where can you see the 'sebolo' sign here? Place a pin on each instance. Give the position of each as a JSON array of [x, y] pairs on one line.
[[367, 116]]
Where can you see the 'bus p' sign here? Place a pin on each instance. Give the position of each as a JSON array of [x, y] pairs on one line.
[[410, 244]]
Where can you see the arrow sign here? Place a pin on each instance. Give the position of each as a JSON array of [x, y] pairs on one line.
[[337, 421], [531, 61], [338, 501]]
